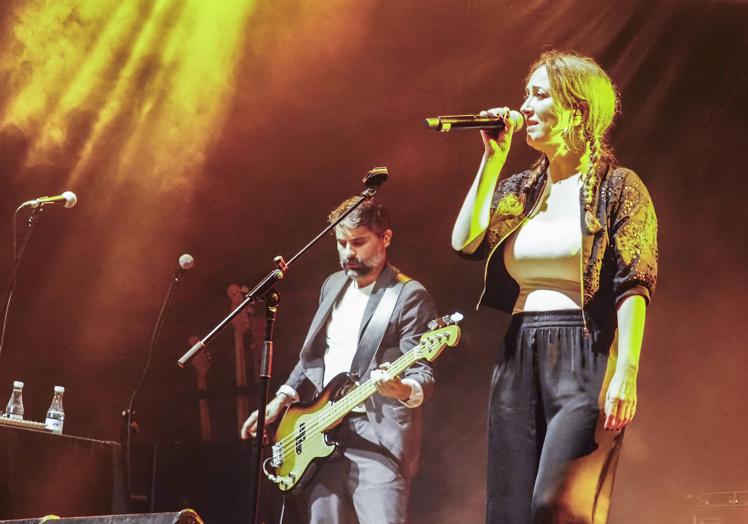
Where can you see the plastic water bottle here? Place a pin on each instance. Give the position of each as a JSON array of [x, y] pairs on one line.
[[55, 413], [14, 409]]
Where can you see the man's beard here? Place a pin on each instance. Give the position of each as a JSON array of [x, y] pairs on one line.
[[361, 269]]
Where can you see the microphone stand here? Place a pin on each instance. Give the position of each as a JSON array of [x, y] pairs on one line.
[[271, 299], [18, 254], [264, 290], [129, 423]]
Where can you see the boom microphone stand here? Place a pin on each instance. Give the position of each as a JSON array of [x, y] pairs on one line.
[[264, 290]]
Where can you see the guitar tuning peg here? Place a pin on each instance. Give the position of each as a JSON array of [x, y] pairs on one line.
[[446, 320]]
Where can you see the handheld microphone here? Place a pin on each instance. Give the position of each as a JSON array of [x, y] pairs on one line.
[[68, 198], [448, 122]]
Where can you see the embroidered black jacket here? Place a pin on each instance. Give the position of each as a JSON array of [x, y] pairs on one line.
[[618, 261]]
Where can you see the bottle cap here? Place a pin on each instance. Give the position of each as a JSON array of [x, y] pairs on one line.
[[59, 389], [17, 384]]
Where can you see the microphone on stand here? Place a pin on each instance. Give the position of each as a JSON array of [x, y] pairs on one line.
[[448, 122], [186, 261], [68, 198], [37, 205]]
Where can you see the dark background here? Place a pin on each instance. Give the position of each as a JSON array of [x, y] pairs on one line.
[[323, 92]]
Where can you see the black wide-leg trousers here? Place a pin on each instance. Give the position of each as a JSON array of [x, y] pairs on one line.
[[549, 459]]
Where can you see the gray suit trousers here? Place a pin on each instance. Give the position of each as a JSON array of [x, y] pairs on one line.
[[361, 486]]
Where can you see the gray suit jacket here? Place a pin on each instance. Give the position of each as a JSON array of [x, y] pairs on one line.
[[398, 427]]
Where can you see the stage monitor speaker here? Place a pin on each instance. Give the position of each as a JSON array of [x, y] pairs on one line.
[[186, 516]]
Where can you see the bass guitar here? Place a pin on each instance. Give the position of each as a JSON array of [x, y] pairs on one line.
[[302, 439]]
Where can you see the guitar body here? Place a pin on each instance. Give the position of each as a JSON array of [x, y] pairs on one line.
[[301, 445]]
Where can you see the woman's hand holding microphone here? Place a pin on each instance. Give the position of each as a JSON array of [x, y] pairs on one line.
[[497, 142]]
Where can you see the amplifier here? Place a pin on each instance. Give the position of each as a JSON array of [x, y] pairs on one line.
[[186, 516]]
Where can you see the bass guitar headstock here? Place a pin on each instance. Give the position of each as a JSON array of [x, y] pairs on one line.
[[237, 294], [444, 332]]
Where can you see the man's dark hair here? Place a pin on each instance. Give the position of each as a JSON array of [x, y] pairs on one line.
[[370, 214]]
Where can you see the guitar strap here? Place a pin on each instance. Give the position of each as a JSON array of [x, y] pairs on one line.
[[372, 337]]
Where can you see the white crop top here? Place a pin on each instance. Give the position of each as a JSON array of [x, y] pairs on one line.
[[543, 255]]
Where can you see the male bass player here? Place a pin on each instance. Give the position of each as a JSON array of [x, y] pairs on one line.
[[369, 315]]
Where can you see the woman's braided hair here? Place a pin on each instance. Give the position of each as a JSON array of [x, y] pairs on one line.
[[579, 84]]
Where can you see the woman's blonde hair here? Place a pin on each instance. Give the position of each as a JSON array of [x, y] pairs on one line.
[[580, 85]]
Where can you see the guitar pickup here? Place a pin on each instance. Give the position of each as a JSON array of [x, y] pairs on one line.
[[277, 459], [300, 438]]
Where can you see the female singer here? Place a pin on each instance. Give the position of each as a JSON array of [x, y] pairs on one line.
[[572, 254]]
